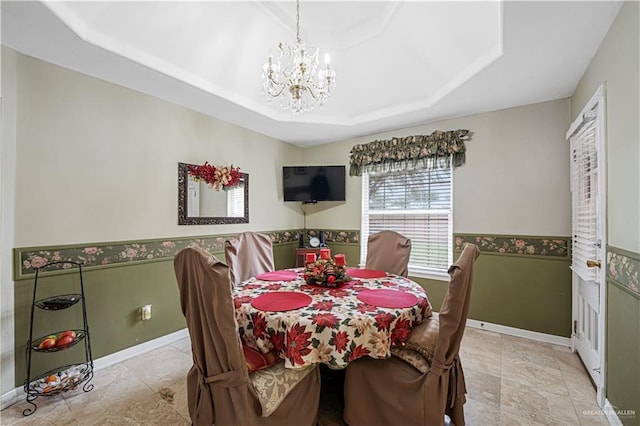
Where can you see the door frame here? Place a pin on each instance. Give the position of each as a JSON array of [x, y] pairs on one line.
[[597, 103]]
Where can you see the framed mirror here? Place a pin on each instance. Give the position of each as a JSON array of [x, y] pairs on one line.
[[198, 204]]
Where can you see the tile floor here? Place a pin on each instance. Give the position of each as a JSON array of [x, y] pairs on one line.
[[510, 381]]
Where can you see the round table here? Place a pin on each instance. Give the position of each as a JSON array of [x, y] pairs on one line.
[[335, 327]]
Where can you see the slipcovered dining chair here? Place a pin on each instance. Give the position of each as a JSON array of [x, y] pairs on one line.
[[388, 251], [220, 387], [422, 381], [248, 255]]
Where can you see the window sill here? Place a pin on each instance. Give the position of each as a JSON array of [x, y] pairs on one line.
[[431, 275]]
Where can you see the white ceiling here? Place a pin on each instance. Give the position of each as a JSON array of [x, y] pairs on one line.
[[398, 63]]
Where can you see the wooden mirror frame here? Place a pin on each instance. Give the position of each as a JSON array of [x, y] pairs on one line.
[[185, 219]]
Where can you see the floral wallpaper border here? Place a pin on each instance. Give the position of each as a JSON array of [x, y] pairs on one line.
[[554, 247], [335, 236], [107, 254], [97, 255], [623, 267]]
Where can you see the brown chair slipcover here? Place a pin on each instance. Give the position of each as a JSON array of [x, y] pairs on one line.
[[388, 251], [220, 389], [248, 255], [394, 392]]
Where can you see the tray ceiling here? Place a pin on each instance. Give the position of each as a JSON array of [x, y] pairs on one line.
[[398, 63]]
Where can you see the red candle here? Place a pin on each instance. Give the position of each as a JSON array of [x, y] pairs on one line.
[[325, 253], [310, 257], [339, 259]]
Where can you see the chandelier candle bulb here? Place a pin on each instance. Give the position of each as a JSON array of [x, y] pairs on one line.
[[339, 260]]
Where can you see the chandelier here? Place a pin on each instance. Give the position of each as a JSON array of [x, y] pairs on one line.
[[294, 77]]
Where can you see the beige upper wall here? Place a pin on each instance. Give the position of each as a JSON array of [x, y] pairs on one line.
[[616, 64], [7, 185], [334, 215], [99, 162], [515, 180]]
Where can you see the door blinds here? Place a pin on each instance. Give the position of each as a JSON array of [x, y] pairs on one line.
[[235, 201], [584, 189]]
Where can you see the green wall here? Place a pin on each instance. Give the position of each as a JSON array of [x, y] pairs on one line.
[[113, 296], [351, 252], [623, 351], [530, 293], [623, 333]]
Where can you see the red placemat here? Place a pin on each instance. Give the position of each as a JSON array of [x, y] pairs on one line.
[[278, 301], [278, 276], [385, 298], [365, 273]]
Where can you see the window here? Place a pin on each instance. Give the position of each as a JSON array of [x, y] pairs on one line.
[[235, 201], [418, 205], [584, 191]]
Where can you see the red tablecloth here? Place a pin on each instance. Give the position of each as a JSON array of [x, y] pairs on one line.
[[336, 327]]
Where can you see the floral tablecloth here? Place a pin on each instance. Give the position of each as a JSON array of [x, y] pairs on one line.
[[335, 328]]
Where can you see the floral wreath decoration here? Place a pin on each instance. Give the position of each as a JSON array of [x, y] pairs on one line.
[[326, 273], [220, 177]]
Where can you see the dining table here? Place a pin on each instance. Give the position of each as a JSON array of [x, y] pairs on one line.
[[306, 324]]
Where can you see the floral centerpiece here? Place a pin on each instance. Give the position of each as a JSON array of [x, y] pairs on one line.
[[325, 271], [220, 177]]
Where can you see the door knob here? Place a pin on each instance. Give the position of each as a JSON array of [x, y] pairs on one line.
[[593, 263]]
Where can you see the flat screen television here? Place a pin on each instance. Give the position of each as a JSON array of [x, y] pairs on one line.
[[313, 183]]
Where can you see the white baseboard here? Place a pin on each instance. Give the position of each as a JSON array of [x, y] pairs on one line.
[[610, 412], [133, 351], [518, 332], [612, 415], [18, 394], [10, 398]]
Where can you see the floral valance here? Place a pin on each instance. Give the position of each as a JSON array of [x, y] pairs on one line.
[[410, 152]]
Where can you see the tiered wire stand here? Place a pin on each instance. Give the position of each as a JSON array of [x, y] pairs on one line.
[[67, 377]]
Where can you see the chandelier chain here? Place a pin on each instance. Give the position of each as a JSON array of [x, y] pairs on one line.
[[298, 20]]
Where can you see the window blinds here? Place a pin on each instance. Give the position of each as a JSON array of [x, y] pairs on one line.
[[235, 201], [584, 187], [417, 204]]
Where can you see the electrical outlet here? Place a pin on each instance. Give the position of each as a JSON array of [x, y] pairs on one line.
[[146, 312]]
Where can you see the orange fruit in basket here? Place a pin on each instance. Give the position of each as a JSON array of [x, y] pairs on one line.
[[51, 378]]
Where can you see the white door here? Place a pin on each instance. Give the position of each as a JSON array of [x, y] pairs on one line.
[[586, 136]]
